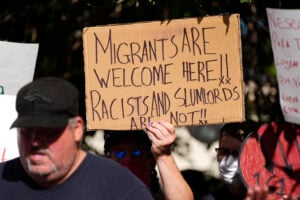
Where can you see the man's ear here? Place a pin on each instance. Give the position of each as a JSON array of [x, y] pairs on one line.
[[79, 129]]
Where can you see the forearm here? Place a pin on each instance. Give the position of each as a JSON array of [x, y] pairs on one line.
[[174, 185]]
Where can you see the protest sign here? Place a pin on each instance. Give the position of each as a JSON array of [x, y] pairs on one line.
[[17, 65], [271, 156], [184, 71], [8, 137], [284, 31]]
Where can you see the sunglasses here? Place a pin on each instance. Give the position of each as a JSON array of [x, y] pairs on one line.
[[225, 152], [121, 154]]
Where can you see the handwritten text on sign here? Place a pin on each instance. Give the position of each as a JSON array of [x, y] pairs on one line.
[[187, 72], [284, 30]]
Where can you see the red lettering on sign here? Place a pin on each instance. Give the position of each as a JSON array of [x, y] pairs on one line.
[[3, 155], [288, 98], [289, 109]]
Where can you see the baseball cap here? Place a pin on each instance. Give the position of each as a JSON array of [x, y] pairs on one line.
[[47, 102]]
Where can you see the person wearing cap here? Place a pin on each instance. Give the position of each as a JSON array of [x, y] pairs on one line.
[[142, 151], [52, 164]]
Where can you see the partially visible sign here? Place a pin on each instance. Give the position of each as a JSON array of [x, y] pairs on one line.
[[1, 89], [185, 71], [17, 65], [272, 157], [284, 31], [8, 137]]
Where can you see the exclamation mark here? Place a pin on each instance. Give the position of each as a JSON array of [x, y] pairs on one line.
[[203, 113], [202, 120]]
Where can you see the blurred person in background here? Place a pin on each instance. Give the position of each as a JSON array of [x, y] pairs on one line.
[[231, 138], [142, 151]]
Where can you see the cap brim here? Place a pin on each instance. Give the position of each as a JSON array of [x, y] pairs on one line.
[[40, 121]]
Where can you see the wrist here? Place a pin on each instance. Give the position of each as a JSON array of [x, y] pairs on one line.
[[164, 157]]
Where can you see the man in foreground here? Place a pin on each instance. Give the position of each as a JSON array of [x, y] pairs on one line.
[[52, 164]]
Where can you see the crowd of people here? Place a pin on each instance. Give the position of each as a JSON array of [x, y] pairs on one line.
[[53, 165]]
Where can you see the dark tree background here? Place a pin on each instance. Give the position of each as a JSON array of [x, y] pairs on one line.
[[57, 26]]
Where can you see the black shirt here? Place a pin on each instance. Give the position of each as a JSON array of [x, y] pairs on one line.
[[221, 193], [96, 178]]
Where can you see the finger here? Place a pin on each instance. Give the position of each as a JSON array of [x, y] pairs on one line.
[[288, 197], [167, 125], [152, 137], [167, 130], [257, 193], [265, 192], [153, 134], [249, 194], [159, 131], [160, 137]]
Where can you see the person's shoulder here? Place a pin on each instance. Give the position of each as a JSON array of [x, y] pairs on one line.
[[111, 172], [220, 193], [103, 162], [13, 163], [10, 170], [109, 168], [105, 166]]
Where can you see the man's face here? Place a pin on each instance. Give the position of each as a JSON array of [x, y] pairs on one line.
[[131, 151], [131, 154], [228, 145], [47, 154]]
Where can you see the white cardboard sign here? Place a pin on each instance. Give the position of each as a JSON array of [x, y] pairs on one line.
[[284, 31], [8, 138], [17, 65]]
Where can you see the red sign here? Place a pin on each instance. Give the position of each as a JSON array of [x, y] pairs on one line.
[[272, 156]]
